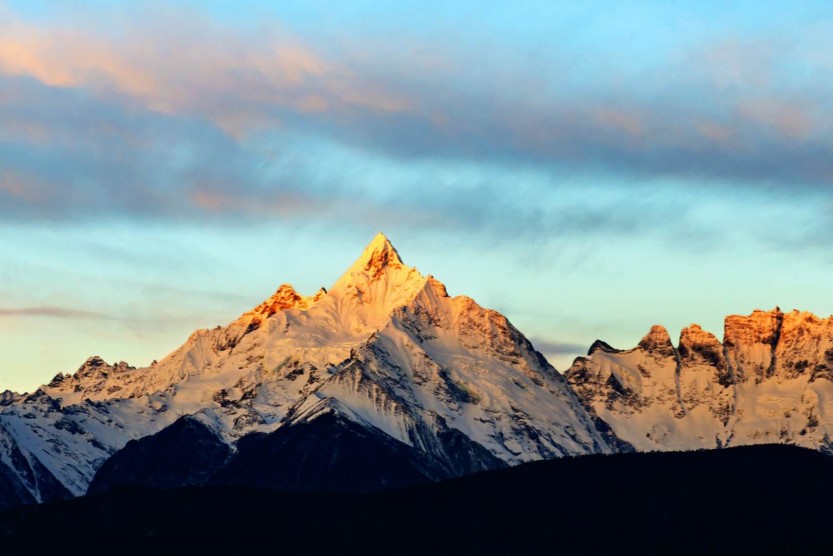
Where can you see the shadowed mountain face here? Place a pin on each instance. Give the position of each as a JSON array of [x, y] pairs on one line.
[[11, 493], [733, 501], [329, 452], [186, 453], [20, 477]]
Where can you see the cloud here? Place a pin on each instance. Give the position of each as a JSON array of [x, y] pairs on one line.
[[185, 64], [715, 113], [53, 312], [96, 160], [558, 348], [182, 119]]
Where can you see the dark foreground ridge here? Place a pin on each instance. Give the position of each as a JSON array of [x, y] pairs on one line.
[[736, 500]]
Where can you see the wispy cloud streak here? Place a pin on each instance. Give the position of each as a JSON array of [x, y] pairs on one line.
[[558, 348], [53, 312]]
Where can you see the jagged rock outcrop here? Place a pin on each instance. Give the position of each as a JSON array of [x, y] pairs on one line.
[[7, 397], [767, 382]]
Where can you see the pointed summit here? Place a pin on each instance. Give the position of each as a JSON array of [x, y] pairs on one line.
[[378, 254], [379, 240], [379, 257], [378, 278]]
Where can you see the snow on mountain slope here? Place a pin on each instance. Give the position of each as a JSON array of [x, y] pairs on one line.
[[768, 382], [273, 340], [385, 347], [423, 356], [64, 446], [443, 362]]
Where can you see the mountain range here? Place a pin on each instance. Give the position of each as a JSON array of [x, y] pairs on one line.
[[769, 381], [385, 380]]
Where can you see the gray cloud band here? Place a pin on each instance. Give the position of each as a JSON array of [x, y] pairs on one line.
[[52, 312], [119, 136]]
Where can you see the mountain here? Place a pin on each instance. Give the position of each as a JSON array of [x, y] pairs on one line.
[[769, 381], [755, 499], [385, 366]]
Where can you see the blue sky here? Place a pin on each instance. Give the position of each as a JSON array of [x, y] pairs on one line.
[[588, 169]]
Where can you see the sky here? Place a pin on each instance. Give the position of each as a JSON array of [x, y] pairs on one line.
[[589, 169]]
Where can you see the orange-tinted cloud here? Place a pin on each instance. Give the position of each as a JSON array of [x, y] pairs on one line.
[[713, 130], [620, 120], [66, 59], [790, 119], [11, 185], [284, 204], [20, 187], [228, 77], [162, 119]]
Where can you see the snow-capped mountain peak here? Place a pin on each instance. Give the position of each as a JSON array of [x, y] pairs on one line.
[[362, 300], [385, 350], [287, 298], [379, 254], [378, 257], [379, 277], [284, 298], [324, 327]]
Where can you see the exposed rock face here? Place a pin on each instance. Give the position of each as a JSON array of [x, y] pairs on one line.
[[8, 397], [287, 298], [629, 383], [750, 344], [699, 348], [805, 347], [95, 375], [767, 382], [658, 343]]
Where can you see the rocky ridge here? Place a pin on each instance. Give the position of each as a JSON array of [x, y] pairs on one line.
[[769, 381]]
